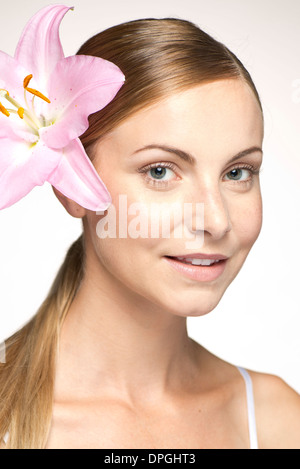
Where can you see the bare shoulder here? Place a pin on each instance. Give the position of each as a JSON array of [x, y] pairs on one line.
[[277, 408]]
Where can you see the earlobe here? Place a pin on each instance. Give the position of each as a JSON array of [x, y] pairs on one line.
[[72, 207]]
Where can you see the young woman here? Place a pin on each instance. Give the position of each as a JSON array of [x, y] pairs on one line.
[[107, 362]]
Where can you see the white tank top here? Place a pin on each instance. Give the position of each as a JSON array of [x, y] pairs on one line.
[[250, 408]]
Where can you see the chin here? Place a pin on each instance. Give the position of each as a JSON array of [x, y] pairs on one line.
[[191, 307]]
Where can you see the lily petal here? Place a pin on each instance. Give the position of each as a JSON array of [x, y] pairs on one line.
[[12, 75], [39, 48], [22, 167], [6, 129], [12, 127], [79, 86], [76, 178]]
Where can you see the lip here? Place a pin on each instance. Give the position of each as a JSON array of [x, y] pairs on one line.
[[199, 255], [197, 272]]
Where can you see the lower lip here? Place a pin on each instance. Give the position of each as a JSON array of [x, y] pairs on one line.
[[199, 273]]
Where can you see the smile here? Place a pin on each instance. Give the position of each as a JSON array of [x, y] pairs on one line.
[[195, 261], [201, 270]]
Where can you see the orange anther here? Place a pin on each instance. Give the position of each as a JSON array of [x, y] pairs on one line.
[[21, 112], [5, 91], [37, 93], [27, 80], [4, 111], [32, 90]]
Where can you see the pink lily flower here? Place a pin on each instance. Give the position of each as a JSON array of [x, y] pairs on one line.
[[45, 101]]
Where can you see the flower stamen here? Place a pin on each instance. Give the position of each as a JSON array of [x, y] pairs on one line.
[[38, 94], [26, 81], [4, 110], [32, 90], [27, 114], [21, 111]]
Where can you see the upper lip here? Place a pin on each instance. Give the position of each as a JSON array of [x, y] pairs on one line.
[[199, 255]]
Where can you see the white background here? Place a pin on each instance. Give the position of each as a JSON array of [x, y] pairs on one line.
[[257, 323]]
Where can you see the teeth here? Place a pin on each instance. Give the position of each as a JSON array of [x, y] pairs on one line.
[[190, 260], [201, 262]]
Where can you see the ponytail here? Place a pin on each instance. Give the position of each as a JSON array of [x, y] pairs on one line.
[[27, 376]]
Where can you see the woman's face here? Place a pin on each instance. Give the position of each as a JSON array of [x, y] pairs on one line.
[[200, 146]]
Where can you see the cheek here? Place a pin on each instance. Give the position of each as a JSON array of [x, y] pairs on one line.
[[247, 220], [121, 238], [127, 266]]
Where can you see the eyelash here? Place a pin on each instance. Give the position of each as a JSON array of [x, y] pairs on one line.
[[155, 182], [169, 165]]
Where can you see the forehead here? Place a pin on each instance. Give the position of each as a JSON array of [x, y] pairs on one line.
[[222, 116]]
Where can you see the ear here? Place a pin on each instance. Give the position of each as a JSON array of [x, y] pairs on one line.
[[73, 208]]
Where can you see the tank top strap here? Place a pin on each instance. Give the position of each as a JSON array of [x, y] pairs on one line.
[[251, 408]]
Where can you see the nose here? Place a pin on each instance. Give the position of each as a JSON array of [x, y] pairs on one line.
[[215, 219]]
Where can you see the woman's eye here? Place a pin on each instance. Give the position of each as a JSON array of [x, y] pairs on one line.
[[239, 174], [159, 174]]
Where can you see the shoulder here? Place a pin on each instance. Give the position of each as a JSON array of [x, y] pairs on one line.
[[277, 408]]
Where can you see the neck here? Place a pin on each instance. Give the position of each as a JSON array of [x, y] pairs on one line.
[[122, 343]]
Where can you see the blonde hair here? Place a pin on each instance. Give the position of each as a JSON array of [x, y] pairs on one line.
[[158, 58]]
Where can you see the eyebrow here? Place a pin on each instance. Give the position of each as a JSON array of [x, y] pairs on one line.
[[191, 159]]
